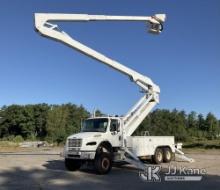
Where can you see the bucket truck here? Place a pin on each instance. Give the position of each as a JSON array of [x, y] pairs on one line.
[[107, 139]]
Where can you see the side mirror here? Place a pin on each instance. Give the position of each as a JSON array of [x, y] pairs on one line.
[[118, 127], [113, 128]]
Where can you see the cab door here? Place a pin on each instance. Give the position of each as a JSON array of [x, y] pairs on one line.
[[115, 132]]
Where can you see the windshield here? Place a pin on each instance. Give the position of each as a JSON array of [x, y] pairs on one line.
[[95, 125]]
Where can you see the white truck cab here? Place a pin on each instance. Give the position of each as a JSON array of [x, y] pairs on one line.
[[94, 131]]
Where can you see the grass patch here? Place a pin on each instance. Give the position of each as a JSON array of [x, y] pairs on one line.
[[8, 144]]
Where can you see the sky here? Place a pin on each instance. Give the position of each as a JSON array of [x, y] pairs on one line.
[[184, 60]]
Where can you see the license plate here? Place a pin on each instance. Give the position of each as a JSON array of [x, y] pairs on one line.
[[73, 151]]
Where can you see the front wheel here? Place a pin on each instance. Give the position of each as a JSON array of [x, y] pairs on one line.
[[103, 163], [72, 164]]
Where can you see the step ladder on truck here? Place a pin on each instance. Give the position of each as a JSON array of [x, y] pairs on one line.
[[107, 140]]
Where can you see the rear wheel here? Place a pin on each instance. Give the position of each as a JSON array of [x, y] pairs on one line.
[[72, 164], [167, 155], [103, 163], [158, 156]]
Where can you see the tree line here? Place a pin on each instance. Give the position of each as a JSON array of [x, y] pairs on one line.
[[185, 127], [54, 123]]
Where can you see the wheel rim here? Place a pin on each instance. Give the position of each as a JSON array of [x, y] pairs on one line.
[[160, 156], [168, 155], [105, 163]]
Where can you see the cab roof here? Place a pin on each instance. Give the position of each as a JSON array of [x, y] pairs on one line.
[[105, 117]]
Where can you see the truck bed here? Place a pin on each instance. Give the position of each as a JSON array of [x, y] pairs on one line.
[[146, 145]]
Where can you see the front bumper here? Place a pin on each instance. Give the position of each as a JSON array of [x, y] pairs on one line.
[[80, 155]]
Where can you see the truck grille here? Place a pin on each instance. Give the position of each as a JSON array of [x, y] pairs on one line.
[[74, 142]]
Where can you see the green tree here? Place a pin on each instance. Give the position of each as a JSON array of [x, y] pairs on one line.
[[212, 125], [12, 119], [27, 123], [40, 119], [64, 120], [192, 120], [57, 123], [201, 122]]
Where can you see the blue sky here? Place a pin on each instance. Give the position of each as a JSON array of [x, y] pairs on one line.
[[184, 60]]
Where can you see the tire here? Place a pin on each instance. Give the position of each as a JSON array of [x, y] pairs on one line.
[[72, 164], [167, 155], [158, 156], [103, 163]]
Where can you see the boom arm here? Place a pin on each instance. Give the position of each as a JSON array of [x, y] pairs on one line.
[[136, 115]]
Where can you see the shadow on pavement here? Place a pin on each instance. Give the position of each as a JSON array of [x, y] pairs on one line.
[[53, 175], [87, 168], [55, 165]]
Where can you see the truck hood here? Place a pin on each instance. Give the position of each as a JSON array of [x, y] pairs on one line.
[[83, 135]]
